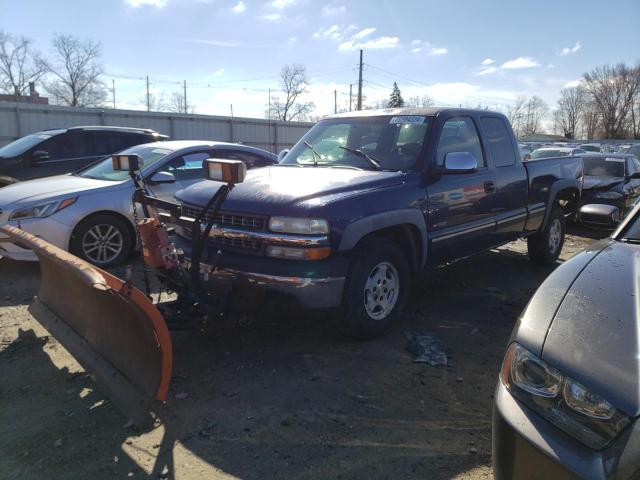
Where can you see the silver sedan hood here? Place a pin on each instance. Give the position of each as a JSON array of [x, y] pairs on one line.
[[595, 334]]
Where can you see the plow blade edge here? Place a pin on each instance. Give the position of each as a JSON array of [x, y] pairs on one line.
[[111, 328]]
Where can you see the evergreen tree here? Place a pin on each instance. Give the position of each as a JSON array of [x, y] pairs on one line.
[[395, 100]]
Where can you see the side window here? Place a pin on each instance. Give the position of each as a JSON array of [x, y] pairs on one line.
[[68, 145], [188, 166], [459, 134], [499, 141], [250, 159], [101, 143]]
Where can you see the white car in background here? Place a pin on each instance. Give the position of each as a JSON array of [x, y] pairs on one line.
[[90, 212]]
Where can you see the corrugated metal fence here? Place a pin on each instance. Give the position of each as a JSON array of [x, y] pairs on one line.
[[19, 119]]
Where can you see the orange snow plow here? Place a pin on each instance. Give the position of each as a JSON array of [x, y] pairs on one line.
[[111, 328]]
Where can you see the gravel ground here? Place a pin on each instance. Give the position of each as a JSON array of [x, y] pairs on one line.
[[285, 397]]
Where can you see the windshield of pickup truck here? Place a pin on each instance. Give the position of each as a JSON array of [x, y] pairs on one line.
[[369, 143], [104, 170], [603, 167]]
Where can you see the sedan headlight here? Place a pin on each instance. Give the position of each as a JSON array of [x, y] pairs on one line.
[[301, 226], [567, 404], [42, 210]]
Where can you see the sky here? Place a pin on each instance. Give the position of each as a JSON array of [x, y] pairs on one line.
[[230, 52]]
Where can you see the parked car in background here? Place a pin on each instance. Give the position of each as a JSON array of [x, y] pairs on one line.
[[525, 152], [90, 212], [568, 398], [551, 152], [631, 150], [65, 150], [609, 179], [591, 147]]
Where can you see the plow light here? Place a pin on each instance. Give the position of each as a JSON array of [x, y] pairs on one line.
[[228, 171], [127, 163]]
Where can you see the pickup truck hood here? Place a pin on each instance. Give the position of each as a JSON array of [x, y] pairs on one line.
[[599, 183], [48, 188], [595, 335], [271, 190]]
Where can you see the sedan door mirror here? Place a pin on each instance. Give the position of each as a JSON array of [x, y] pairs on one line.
[[162, 177], [460, 162], [39, 156], [282, 154]]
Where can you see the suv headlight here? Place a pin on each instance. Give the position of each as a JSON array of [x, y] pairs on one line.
[[567, 404], [301, 226], [42, 210]]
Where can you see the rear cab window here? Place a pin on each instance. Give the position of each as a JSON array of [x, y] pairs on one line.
[[499, 141]]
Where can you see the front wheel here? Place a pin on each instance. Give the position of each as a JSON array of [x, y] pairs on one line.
[[104, 240], [545, 246], [377, 288]]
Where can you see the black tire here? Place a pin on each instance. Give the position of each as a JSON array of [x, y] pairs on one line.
[[381, 255], [545, 246], [85, 233]]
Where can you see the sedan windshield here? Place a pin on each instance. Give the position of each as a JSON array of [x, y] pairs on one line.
[[603, 167], [23, 144], [369, 143], [104, 169]]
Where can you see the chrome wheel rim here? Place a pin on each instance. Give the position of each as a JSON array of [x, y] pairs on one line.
[[102, 243], [555, 234], [381, 290]]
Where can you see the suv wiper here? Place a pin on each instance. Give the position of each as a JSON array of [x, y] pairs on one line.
[[375, 163], [314, 153]]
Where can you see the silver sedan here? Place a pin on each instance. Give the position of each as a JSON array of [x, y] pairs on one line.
[[90, 212]]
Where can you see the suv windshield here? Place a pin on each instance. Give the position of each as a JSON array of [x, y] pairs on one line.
[[104, 169], [23, 144], [603, 167], [392, 142]]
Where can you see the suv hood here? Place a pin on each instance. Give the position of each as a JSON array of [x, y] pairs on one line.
[[595, 335], [271, 190], [48, 188]]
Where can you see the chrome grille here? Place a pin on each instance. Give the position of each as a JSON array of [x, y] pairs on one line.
[[228, 219]]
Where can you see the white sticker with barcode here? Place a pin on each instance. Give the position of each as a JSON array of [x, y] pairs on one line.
[[412, 119]]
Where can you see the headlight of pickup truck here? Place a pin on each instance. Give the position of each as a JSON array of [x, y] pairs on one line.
[[301, 226], [567, 404], [42, 210]]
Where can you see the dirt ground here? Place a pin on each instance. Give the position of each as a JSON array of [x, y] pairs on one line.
[[285, 397]]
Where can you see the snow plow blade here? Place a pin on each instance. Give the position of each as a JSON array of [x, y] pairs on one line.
[[111, 328]]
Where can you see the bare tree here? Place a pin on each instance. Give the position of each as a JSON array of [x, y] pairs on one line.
[[176, 104], [417, 101], [634, 120], [535, 109], [294, 83], [19, 65], [75, 72], [515, 113], [570, 108], [155, 101], [613, 89], [590, 120]]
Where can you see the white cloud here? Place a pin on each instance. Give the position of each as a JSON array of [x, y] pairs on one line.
[[520, 62], [217, 43], [573, 83], [569, 50], [436, 51], [364, 32], [416, 50], [487, 71], [416, 42], [331, 10], [488, 61], [282, 4], [148, 3], [218, 72], [272, 17], [373, 44], [239, 7]]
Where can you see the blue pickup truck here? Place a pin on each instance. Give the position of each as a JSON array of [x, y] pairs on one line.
[[366, 201]]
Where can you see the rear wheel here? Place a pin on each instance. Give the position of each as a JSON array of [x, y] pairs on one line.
[[104, 240], [545, 246], [377, 288]]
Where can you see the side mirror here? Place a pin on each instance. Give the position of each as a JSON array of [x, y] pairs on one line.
[[227, 171], [39, 156], [460, 162], [162, 177], [599, 215], [282, 154]]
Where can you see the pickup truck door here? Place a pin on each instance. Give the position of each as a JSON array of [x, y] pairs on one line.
[[511, 196], [460, 215]]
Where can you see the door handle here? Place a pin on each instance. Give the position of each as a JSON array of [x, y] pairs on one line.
[[489, 187]]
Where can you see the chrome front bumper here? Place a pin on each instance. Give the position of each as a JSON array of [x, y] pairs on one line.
[[308, 292]]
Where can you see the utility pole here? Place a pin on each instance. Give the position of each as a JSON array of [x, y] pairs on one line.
[[335, 101], [184, 88], [113, 92], [360, 84], [148, 96], [350, 95]]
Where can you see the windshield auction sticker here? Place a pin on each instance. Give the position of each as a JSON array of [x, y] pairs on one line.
[[413, 119]]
